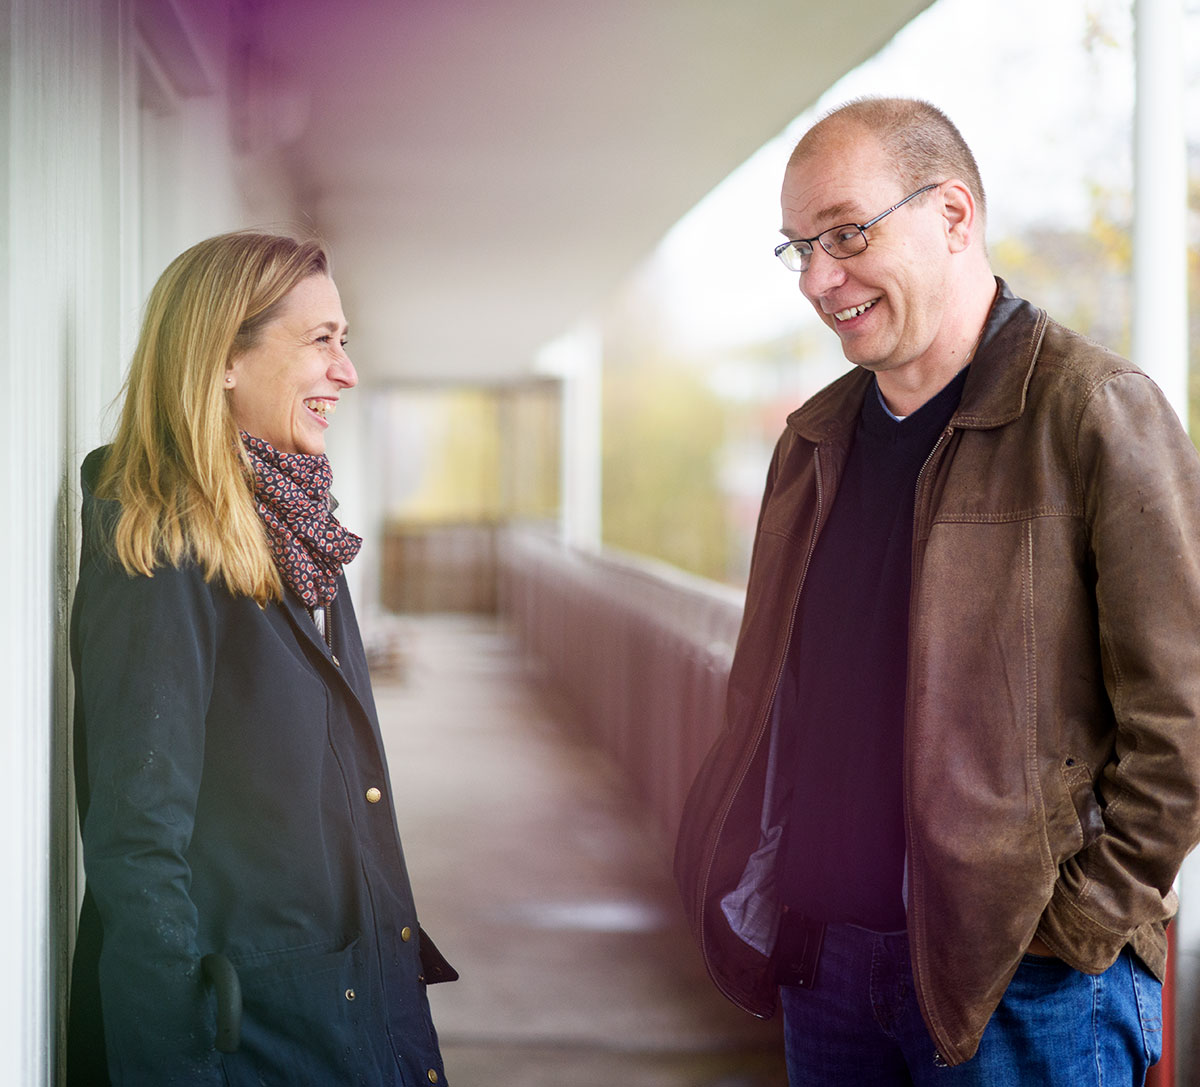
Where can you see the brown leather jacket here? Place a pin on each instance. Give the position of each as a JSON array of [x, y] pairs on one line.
[[1052, 736]]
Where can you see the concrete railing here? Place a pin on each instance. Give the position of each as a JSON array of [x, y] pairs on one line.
[[641, 649]]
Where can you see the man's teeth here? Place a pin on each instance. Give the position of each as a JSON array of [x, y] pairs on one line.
[[854, 311], [321, 407]]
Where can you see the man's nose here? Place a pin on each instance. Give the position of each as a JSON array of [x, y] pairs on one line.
[[822, 275]]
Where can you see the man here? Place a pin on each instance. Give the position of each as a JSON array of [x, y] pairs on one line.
[[961, 762]]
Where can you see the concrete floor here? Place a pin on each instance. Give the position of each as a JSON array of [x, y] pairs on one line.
[[538, 878]]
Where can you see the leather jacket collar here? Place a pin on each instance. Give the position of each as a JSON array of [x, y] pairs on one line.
[[996, 386]]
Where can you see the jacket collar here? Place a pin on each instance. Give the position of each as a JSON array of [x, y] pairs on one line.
[[302, 619], [99, 523], [996, 386], [347, 668], [998, 380]]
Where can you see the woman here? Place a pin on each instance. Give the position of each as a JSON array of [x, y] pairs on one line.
[[238, 825]]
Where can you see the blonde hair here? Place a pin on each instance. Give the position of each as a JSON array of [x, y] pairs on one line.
[[176, 465]]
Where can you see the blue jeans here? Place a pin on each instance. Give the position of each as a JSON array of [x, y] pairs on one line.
[[860, 1024]]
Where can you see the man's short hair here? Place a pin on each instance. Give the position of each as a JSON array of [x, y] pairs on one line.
[[922, 142]]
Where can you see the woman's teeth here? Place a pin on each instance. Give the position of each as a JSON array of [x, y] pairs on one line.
[[854, 311], [321, 407]]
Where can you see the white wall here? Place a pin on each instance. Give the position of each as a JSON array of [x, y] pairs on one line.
[[57, 350], [110, 168]]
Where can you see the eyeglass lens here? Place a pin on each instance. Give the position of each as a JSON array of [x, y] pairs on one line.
[[838, 241]]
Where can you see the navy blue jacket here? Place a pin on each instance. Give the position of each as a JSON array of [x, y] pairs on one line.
[[234, 799]]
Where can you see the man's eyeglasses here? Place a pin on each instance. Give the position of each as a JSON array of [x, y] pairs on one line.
[[839, 242]]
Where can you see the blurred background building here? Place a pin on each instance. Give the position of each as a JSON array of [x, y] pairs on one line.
[[550, 224]]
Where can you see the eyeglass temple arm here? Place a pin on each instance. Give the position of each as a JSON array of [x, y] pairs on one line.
[[901, 203]]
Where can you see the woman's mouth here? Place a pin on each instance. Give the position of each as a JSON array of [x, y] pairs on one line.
[[318, 405]]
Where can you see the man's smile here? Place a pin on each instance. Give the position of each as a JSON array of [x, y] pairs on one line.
[[854, 311]]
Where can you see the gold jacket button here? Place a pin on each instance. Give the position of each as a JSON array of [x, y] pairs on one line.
[[433, 1076], [374, 796], [406, 934], [337, 663], [350, 994]]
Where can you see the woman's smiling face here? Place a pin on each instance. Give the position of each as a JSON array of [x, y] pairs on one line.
[[283, 389]]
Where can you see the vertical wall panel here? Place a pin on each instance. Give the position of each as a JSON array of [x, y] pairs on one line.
[[54, 344], [86, 186]]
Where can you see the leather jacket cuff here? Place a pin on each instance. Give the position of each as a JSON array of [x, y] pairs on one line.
[[1076, 938]]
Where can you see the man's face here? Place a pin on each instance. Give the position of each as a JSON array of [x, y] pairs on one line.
[[887, 304]]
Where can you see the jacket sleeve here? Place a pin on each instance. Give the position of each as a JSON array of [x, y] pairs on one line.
[[1140, 478], [145, 657]]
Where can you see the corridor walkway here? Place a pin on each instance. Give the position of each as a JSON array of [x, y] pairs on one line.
[[536, 877]]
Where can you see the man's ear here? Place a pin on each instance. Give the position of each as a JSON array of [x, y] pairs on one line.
[[958, 210]]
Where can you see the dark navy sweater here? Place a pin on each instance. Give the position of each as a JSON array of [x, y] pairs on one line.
[[844, 683]]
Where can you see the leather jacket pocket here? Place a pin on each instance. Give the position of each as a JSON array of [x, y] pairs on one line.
[[1077, 776]]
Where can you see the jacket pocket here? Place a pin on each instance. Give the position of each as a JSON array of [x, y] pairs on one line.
[[1077, 776], [434, 967], [308, 1017]]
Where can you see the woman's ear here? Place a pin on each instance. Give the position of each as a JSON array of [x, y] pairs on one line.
[[958, 210]]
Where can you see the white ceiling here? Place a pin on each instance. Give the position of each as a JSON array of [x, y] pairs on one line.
[[486, 171]]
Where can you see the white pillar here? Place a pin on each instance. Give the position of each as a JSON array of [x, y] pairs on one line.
[[1160, 201], [1160, 346], [577, 358]]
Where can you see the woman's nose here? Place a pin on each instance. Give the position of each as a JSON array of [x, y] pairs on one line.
[[342, 371]]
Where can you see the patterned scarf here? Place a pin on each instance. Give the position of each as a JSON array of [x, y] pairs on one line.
[[291, 492]]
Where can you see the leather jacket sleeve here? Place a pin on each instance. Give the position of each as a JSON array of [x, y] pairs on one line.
[[1140, 478]]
